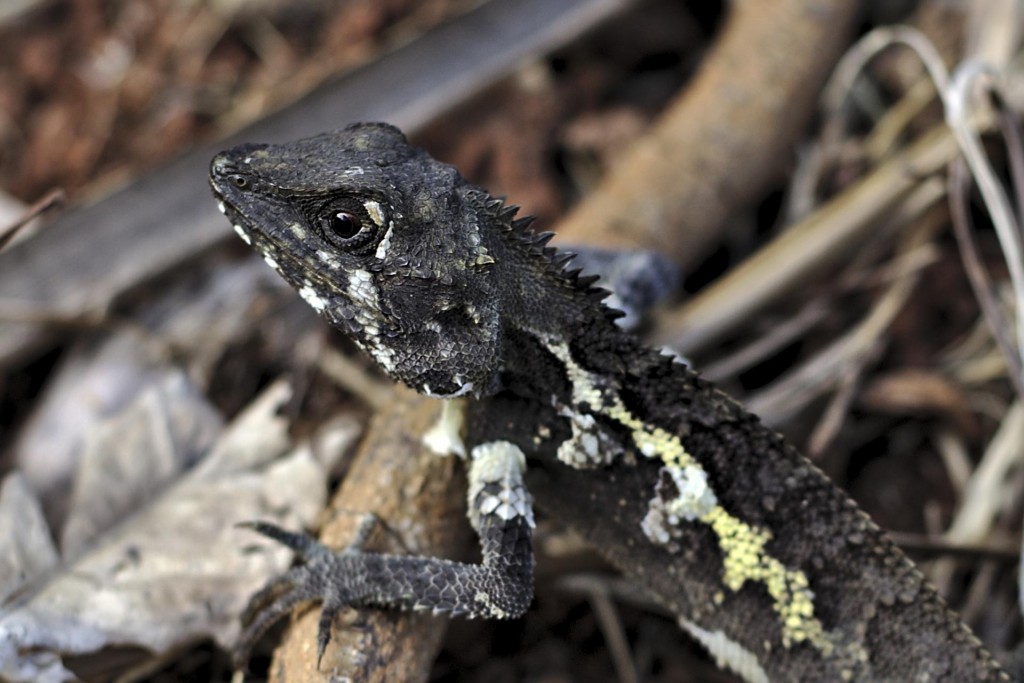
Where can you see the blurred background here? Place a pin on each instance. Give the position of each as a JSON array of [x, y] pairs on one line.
[[840, 185]]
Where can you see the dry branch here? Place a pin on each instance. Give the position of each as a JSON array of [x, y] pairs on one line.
[[811, 246], [727, 136], [420, 499]]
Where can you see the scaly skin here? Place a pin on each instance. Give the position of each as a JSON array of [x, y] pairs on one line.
[[765, 561]]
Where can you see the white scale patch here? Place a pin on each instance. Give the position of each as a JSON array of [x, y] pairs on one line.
[[588, 446], [241, 233], [445, 437], [385, 243], [361, 288], [694, 500], [312, 298], [492, 609], [272, 263], [384, 356], [374, 211], [728, 653], [327, 258], [501, 463], [464, 389]]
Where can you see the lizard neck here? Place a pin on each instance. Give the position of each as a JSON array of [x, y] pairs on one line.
[[561, 342]]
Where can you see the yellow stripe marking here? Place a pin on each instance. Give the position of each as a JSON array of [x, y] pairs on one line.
[[743, 546]]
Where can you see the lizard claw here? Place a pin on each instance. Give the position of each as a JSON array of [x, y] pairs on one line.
[[271, 591], [309, 582], [305, 545], [328, 611], [267, 606]]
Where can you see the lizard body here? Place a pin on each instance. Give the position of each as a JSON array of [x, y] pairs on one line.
[[767, 563]]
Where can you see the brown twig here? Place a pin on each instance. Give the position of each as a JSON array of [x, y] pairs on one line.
[[832, 420], [982, 498], [858, 346], [810, 246], [354, 377], [765, 345], [721, 142], [599, 594], [50, 201], [924, 546]]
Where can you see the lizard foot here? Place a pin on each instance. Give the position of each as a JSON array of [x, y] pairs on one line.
[[316, 579], [501, 588]]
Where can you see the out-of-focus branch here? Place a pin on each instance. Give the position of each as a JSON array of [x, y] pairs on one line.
[[727, 136], [812, 245]]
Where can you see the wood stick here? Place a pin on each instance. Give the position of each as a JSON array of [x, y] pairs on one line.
[[420, 498], [726, 137]]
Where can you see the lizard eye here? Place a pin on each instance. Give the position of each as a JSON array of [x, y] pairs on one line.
[[344, 225]]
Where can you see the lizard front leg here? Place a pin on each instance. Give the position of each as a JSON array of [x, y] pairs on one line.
[[500, 587]]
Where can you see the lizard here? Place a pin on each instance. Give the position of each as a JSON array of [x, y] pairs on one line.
[[765, 562]]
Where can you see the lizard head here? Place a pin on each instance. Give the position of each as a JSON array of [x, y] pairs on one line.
[[385, 242]]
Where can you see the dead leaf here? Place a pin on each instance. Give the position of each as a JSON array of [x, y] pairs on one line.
[[28, 549], [173, 569], [130, 458]]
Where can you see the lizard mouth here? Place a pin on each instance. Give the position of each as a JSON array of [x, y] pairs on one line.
[[225, 180], [232, 213]]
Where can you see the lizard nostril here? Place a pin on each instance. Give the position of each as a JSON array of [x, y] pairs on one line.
[[239, 181], [221, 164]]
